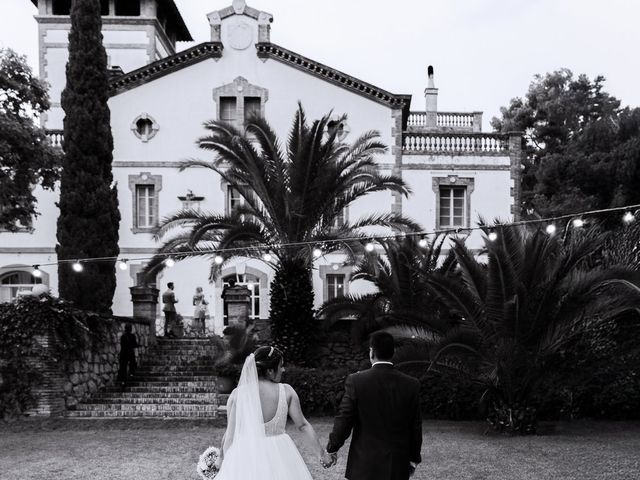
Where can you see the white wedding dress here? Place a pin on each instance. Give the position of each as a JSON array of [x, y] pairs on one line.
[[260, 451]]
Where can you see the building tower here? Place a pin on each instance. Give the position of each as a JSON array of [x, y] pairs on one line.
[[135, 33]]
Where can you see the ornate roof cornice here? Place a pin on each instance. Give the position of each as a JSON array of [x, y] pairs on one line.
[[271, 50], [165, 66]]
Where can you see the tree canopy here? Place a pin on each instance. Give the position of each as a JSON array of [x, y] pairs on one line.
[[26, 157], [582, 148]]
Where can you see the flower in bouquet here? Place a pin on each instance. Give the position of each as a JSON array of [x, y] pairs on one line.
[[208, 463]]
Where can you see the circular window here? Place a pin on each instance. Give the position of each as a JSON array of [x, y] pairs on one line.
[[144, 127]]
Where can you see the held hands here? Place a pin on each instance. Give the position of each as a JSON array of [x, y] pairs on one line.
[[328, 460]]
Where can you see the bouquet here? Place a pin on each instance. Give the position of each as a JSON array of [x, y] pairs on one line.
[[208, 463]]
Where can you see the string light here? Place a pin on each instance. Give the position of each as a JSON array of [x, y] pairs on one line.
[[266, 257], [493, 236], [218, 259], [36, 271], [628, 218], [551, 229], [122, 264], [575, 219], [317, 252]]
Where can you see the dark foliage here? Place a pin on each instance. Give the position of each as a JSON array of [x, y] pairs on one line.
[[320, 390], [26, 157], [89, 215], [402, 298], [582, 149], [522, 311]]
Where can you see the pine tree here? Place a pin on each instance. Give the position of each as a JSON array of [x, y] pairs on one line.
[[89, 216]]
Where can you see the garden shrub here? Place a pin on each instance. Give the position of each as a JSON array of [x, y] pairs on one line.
[[599, 377], [72, 331], [449, 397], [320, 390]]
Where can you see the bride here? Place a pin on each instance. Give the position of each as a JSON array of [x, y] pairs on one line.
[[255, 444]]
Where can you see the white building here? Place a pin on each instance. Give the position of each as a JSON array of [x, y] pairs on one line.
[[158, 106]]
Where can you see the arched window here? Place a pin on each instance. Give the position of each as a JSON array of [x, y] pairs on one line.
[[250, 281], [15, 284]]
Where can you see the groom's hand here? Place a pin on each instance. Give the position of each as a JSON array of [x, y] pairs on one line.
[[328, 460]]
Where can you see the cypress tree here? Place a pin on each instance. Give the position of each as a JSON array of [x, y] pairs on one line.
[[89, 216]]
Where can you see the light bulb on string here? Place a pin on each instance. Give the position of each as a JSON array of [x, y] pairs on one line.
[[122, 264], [578, 222], [266, 257], [628, 218], [169, 262], [423, 242], [369, 247], [317, 253], [218, 259], [493, 236], [36, 271], [77, 266], [551, 229]]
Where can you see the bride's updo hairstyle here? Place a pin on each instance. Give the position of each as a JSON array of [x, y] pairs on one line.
[[267, 358]]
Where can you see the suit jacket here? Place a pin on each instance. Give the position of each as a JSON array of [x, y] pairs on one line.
[[382, 408], [169, 300]]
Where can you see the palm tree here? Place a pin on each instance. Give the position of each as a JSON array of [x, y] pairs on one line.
[[292, 199], [402, 303], [522, 308]]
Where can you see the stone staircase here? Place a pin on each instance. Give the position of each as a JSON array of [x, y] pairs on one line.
[[175, 380]]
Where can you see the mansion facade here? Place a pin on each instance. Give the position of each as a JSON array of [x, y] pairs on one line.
[[159, 99]]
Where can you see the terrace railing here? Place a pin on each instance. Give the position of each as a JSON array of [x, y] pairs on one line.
[[486, 143]]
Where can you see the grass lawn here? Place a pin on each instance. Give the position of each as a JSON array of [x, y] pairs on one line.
[[157, 450]]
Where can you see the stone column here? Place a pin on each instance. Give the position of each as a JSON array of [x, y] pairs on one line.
[[515, 155], [145, 306], [238, 300]]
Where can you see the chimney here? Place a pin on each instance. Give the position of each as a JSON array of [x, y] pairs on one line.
[[431, 92]]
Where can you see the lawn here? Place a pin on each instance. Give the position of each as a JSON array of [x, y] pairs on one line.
[[145, 450]]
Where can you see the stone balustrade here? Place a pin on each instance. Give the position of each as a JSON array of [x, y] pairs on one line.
[[456, 143], [446, 121], [56, 137]]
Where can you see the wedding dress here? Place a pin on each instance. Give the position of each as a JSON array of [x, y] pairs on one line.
[[260, 451]]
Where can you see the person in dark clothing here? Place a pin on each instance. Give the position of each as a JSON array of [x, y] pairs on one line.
[[381, 410], [128, 345]]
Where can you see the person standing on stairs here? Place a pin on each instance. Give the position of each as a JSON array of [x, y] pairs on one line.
[[169, 309], [128, 345]]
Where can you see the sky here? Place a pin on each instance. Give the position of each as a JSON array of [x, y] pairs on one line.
[[484, 52]]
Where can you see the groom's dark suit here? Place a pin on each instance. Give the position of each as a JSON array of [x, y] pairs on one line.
[[382, 407]]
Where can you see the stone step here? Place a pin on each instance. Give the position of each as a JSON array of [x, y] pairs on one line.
[[192, 400], [140, 414], [142, 407], [151, 395], [176, 376], [173, 368], [169, 383], [164, 389]]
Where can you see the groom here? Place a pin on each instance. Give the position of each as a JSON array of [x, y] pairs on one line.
[[382, 407]]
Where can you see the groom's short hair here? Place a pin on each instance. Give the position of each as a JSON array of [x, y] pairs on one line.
[[383, 345]]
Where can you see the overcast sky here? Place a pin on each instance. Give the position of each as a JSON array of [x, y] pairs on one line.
[[484, 51]]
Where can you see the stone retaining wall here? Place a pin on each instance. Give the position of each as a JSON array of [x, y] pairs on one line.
[[83, 373]]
